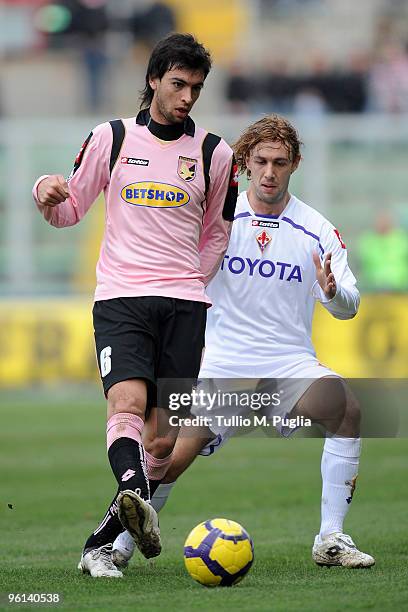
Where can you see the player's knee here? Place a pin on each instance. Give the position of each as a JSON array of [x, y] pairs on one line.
[[129, 405], [348, 416], [127, 396], [353, 415]]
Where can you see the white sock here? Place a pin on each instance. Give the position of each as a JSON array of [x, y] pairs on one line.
[[339, 467], [124, 542], [161, 495]]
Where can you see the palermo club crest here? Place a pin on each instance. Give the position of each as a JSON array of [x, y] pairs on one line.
[[187, 168]]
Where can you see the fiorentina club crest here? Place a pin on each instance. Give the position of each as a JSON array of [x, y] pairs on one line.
[[263, 239], [186, 168]]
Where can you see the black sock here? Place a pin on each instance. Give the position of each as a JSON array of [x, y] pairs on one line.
[[108, 529], [126, 457], [153, 486]]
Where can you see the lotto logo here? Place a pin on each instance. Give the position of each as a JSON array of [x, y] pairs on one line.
[[135, 161], [128, 475]]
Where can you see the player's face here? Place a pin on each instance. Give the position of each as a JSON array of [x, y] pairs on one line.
[[175, 95], [271, 167]]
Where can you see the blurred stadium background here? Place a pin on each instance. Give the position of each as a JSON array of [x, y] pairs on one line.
[[337, 68]]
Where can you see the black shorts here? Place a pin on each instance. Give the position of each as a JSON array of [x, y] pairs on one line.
[[149, 338]]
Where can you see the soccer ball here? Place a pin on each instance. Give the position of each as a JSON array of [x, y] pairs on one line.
[[218, 552]]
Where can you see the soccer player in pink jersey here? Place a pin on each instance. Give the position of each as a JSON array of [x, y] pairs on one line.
[[170, 193]]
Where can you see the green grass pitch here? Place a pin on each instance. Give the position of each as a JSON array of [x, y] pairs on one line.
[[55, 475]]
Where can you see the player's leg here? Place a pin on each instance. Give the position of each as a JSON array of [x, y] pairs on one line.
[[182, 328], [125, 350], [159, 440], [156, 466], [191, 442], [132, 510], [189, 445], [180, 341], [127, 459], [340, 416]]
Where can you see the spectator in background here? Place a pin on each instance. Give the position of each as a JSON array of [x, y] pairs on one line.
[[151, 21], [86, 32], [239, 88], [94, 22], [272, 8], [277, 86], [388, 81], [324, 88], [309, 102], [383, 255]]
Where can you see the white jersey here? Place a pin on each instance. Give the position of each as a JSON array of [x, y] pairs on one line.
[[265, 291]]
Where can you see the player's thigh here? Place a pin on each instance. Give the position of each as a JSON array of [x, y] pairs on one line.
[[182, 340], [330, 402], [125, 344]]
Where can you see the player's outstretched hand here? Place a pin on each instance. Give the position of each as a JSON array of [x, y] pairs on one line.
[[52, 190], [325, 275]]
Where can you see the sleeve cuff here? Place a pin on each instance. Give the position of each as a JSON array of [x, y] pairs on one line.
[[319, 295], [37, 182]]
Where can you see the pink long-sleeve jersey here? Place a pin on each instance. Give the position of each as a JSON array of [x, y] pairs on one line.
[[164, 235]]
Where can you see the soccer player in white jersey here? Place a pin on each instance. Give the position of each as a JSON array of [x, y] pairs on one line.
[[283, 256]]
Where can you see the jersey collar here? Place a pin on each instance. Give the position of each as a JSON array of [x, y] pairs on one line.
[[143, 118], [282, 214]]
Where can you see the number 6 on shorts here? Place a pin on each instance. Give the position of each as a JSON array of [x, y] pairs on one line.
[[105, 360]]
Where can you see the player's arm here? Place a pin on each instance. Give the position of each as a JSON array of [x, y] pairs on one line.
[[335, 285], [64, 202], [221, 200]]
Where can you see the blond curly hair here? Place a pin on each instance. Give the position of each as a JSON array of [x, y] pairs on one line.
[[273, 128]]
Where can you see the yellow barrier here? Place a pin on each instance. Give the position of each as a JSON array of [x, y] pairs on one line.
[[373, 345], [46, 340], [218, 24], [53, 340]]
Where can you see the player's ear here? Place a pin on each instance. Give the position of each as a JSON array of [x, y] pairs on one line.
[[153, 82], [248, 171], [296, 163]]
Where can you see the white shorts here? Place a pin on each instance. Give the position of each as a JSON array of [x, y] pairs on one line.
[[283, 387]]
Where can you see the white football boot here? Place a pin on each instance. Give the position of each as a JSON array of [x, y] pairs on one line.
[[98, 563], [140, 519], [123, 549], [339, 549]]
